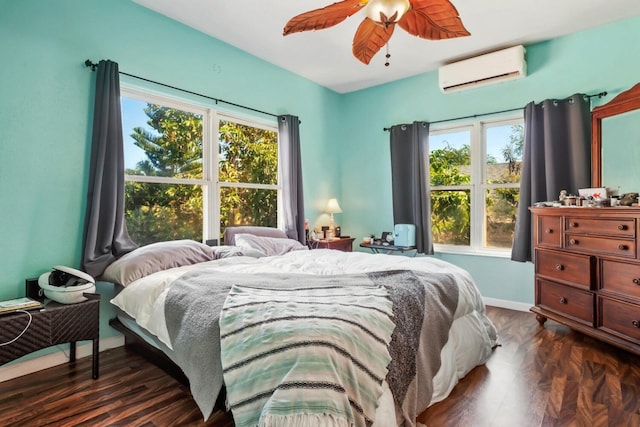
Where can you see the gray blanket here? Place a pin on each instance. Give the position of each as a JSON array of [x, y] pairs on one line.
[[423, 308]]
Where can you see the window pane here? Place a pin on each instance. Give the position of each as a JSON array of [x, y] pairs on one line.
[[501, 209], [451, 216], [161, 141], [248, 206], [504, 153], [450, 158], [247, 154], [158, 212]]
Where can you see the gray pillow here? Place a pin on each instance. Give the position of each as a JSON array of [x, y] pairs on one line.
[[229, 235], [229, 251], [156, 257], [268, 245]]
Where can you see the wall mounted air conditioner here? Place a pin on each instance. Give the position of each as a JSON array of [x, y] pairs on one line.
[[499, 66]]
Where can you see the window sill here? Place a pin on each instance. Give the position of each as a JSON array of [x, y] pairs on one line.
[[466, 250]]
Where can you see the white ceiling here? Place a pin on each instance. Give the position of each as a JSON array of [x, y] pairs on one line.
[[324, 56]]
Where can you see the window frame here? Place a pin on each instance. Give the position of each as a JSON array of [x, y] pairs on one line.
[[210, 183], [478, 186]]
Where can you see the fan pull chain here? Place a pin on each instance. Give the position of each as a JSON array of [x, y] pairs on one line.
[[388, 55]]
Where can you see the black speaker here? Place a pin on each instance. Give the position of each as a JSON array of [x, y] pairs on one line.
[[32, 290]]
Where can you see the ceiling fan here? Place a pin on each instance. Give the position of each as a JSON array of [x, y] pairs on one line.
[[428, 19]]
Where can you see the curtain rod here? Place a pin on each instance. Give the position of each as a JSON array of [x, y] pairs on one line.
[[599, 95], [93, 67]]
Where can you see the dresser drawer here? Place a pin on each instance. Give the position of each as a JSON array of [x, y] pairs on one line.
[[621, 278], [605, 226], [565, 300], [620, 318], [574, 269], [601, 245], [549, 231]]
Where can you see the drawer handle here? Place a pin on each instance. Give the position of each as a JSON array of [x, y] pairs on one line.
[[563, 300], [559, 267], [623, 247], [573, 241], [636, 281], [636, 323], [622, 227], [549, 230], [573, 224]]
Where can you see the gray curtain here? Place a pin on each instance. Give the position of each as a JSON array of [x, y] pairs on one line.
[[291, 177], [105, 232], [410, 181], [557, 156]]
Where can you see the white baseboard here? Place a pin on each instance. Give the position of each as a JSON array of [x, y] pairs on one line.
[[511, 305], [30, 366]]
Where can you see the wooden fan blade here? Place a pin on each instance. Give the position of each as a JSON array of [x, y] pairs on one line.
[[433, 20], [369, 38], [325, 17]]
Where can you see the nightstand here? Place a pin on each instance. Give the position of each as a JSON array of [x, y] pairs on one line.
[[388, 249], [55, 324], [344, 244]]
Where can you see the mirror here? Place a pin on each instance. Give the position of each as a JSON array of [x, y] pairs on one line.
[[615, 142]]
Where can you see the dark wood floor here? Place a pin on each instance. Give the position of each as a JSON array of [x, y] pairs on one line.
[[547, 376]]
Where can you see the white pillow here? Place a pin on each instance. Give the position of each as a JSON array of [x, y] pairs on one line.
[[269, 245]]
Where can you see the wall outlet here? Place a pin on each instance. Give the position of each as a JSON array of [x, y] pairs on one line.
[[33, 290]]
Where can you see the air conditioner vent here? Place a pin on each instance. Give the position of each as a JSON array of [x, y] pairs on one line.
[[494, 67]]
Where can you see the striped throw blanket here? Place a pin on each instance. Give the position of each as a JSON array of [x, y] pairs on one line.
[[311, 355]]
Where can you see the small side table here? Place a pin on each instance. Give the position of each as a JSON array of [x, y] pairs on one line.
[[388, 249], [344, 244], [55, 324]]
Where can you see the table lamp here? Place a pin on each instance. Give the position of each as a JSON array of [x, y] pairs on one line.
[[332, 207]]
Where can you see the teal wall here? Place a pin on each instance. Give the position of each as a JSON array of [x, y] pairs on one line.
[[46, 103], [46, 97], [46, 113], [588, 62]]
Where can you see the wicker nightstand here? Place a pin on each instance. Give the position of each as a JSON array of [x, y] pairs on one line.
[[55, 324]]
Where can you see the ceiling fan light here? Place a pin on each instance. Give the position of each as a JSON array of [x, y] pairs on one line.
[[388, 8]]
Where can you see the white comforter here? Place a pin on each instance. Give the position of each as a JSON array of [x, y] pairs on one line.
[[471, 338]]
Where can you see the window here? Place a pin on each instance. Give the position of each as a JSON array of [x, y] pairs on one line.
[[191, 171], [247, 174], [475, 180]]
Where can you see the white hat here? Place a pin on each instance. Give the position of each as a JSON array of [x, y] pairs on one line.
[[66, 285]]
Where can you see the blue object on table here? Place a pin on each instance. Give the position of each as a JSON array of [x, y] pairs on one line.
[[404, 235]]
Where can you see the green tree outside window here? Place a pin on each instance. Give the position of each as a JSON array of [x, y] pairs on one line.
[[173, 148]]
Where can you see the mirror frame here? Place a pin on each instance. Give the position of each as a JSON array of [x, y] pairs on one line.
[[626, 101]]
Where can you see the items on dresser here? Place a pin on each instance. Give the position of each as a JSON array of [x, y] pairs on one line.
[[587, 271]]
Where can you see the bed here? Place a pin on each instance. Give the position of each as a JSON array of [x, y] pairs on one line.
[[409, 328]]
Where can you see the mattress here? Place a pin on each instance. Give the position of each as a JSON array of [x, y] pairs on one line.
[[471, 337]]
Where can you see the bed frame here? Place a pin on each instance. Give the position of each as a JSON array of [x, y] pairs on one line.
[[154, 355], [149, 352]]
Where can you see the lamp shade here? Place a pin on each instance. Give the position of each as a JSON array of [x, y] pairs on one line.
[[333, 206], [386, 12]]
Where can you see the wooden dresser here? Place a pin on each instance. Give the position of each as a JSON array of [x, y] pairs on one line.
[[587, 271]]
